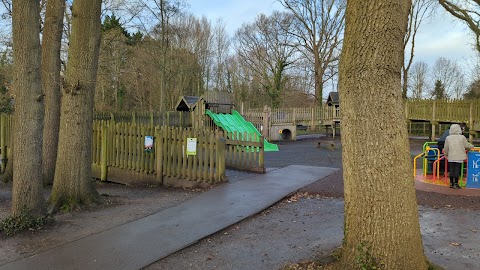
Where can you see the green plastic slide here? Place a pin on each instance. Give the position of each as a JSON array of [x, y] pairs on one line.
[[235, 122]]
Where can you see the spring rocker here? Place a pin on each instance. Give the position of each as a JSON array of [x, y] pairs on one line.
[[432, 161]]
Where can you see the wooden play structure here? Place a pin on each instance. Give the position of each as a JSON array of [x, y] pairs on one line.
[[119, 151], [434, 115]]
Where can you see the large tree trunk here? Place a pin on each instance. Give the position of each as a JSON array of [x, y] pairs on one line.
[[51, 42], [28, 122], [73, 175], [381, 219]]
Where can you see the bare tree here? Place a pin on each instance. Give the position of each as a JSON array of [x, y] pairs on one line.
[[7, 4], [418, 80], [421, 10], [473, 91], [115, 52], [467, 11], [378, 233], [319, 26], [28, 121], [195, 36], [263, 46], [451, 76], [221, 47], [160, 12]]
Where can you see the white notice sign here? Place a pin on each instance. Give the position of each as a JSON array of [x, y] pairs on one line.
[[191, 146]]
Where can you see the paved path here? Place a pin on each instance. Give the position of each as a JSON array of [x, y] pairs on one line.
[[144, 241]]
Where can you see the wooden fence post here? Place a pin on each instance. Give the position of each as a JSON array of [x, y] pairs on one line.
[[3, 141], [220, 157], [433, 121], [313, 121], [158, 155], [103, 157], [261, 155], [470, 124], [294, 116], [265, 121], [406, 109]]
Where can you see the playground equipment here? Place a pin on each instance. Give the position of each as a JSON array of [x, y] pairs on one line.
[[234, 122], [431, 171], [283, 132]]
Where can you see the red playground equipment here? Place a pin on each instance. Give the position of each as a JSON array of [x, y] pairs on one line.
[[434, 169]]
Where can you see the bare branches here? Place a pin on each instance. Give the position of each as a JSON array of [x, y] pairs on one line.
[[318, 28], [264, 46], [462, 10], [420, 10]]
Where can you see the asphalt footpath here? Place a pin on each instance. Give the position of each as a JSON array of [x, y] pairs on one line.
[[142, 242]]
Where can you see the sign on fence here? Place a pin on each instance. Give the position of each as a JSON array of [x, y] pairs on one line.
[[148, 143], [191, 146]]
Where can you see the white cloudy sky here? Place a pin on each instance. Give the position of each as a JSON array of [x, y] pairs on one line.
[[441, 36]]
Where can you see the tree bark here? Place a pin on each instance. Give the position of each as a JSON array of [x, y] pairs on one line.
[[28, 122], [73, 185], [318, 78], [51, 42], [381, 219]]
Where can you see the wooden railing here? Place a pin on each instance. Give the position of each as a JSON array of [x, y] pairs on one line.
[[451, 111], [311, 116], [433, 111]]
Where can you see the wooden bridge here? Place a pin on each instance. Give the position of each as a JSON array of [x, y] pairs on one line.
[[437, 114]]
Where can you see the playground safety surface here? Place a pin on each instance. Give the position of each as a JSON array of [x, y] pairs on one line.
[[297, 228]]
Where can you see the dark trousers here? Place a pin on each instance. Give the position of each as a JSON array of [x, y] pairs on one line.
[[441, 144], [454, 169]]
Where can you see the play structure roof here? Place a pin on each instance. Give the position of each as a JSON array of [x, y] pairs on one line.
[[187, 103], [333, 99]]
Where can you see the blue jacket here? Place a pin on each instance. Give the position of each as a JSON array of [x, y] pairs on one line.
[[444, 136]]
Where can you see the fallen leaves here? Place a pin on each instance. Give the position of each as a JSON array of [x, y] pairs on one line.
[[299, 195]]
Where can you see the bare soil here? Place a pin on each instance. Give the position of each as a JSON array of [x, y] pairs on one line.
[[287, 227]]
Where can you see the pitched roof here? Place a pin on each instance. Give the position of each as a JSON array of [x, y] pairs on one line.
[[187, 103], [333, 98]]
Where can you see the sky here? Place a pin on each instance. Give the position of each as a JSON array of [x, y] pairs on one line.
[[441, 36]]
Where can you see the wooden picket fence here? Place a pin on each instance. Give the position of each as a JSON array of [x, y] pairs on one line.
[[5, 139], [119, 154], [245, 152]]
